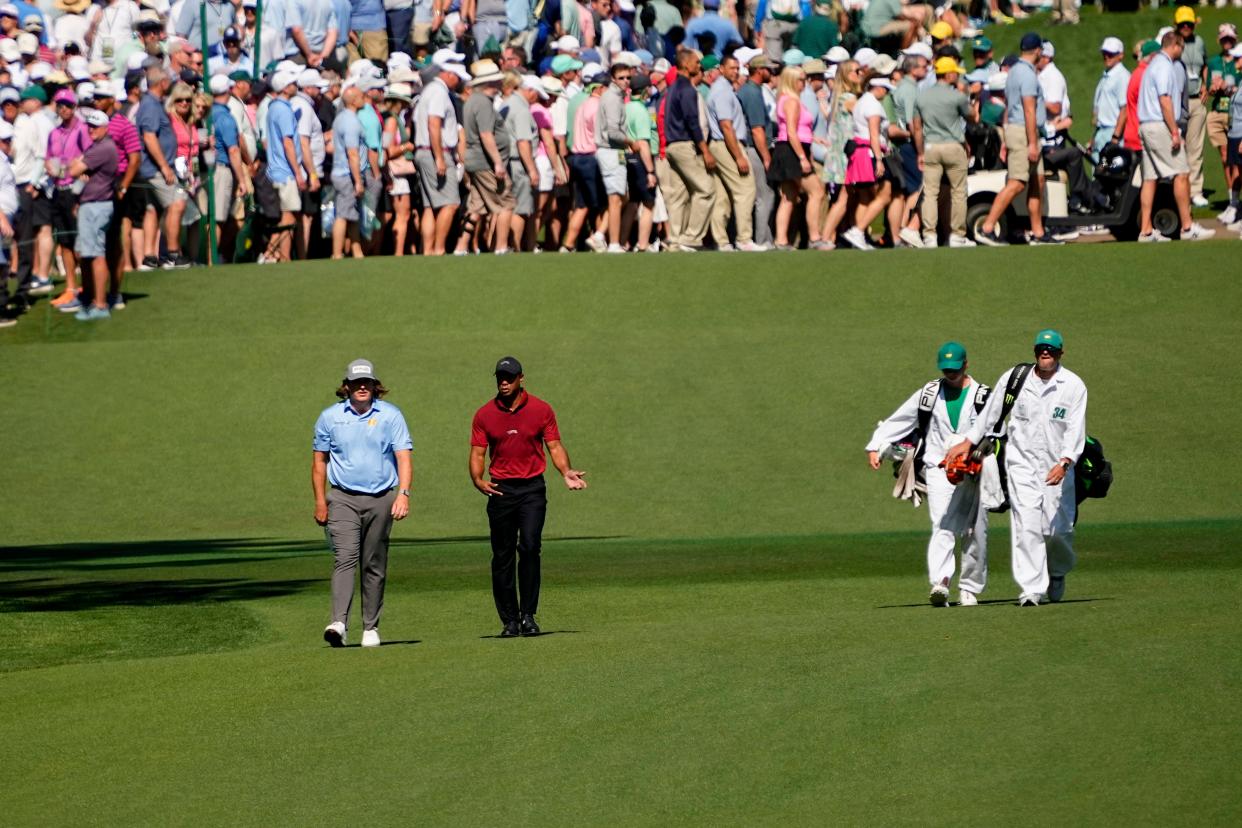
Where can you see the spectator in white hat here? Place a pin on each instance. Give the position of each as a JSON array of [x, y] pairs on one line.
[[521, 93], [314, 151], [97, 164], [399, 154], [435, 150], [230, 183], [284, 166], [1110, 93], [486, 159]]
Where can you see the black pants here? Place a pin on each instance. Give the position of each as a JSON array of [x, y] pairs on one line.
[[32, 213], [516, 521]]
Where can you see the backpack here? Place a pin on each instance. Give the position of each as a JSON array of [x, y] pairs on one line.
[[1093, 473]]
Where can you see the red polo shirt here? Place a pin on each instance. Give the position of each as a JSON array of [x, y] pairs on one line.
[[515, 438]]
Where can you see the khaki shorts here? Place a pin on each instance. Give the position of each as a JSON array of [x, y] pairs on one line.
[[1018, 165], [487, 195], [1218, 129], [371, 45], [290, 196], [1159, 158]]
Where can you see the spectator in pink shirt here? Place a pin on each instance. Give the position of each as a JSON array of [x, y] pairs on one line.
[[67, 142], [130, 204]]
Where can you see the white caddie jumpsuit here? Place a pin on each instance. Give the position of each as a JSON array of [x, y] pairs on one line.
[[1048, 422], [954, 510]]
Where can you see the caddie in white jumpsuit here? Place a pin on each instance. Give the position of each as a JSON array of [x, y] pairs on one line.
[[955, 511], [1047, 431]]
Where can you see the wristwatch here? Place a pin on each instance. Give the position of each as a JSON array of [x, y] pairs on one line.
[[1065, 463], [405, 492]]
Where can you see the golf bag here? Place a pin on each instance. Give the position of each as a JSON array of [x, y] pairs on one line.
[[909, 450], [1093, 473]]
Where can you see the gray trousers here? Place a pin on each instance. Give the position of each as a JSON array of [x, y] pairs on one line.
[[765, 198], [358, 528]]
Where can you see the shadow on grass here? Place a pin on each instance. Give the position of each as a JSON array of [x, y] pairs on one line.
[[997, 602], [206, 552], [540, 635], [48, 595], [382, 644]]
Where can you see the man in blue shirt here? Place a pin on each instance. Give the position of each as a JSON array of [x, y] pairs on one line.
[[711, 23], [362, 451], [284, 164], [1024, 123], [230, 176], [368, 31], [159, 148]]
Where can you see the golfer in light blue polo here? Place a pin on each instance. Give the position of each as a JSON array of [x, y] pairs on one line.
[[360, 473]]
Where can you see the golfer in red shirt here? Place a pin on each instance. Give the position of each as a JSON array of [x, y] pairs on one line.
[[514, 427]]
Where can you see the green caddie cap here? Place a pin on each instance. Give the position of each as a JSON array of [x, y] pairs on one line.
[[1049, 337], [981, 44], [710, 62], [1149, 47], [951, 356]]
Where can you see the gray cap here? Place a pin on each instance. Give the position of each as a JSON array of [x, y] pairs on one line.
[[359, 369], [509, 365]]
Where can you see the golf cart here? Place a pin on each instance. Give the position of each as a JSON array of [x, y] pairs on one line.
[[1119, 178]]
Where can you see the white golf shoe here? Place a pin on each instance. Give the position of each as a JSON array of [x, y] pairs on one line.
[[939, 595], [1028, 600], [967, 598], [370, 638], [334, 634]]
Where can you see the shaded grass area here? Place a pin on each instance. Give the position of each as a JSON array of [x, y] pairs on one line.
[[752, 680], [711, 396]]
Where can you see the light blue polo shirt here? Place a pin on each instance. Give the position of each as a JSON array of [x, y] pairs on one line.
[[1023, 82], [361, 448]]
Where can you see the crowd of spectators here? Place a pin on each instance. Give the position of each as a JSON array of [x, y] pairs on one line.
[[144, 136]]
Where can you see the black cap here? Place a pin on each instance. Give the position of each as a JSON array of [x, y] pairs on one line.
[[1030, 41], [639, 83], [509, 365], [231, 35]]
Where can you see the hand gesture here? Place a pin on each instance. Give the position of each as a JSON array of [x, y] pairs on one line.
[[573, 479], [488, 488], [400, 506]]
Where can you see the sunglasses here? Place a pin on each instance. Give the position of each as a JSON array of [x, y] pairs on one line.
[[1046, 349]]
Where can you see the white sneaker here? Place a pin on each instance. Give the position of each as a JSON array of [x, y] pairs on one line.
[[501, 251], [967, 599], [655, 247], [857, 239], [751, 247], [961, 241], [687, 248], [596, 242], [370, 638], [1200, 201], [1229, 215], [1026, 600], [1056, 588], [911, 237], [1094, 230], [1197, 232], [334, 634], [1153, 236], [615, 248], [930, 242], [725, 248], [1236, 227], [939, 595]]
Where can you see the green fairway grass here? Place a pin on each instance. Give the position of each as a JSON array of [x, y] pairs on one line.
[[740, 632]]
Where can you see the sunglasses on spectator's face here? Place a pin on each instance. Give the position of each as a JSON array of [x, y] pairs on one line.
[[1040, 350]]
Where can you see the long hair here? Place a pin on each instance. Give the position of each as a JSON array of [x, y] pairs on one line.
[[788, 85], [842, 84], [380, 391]]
